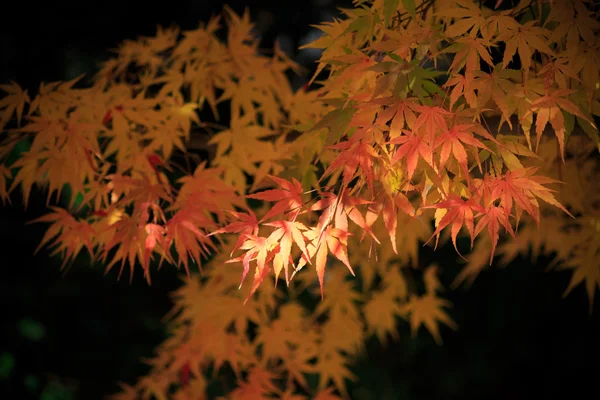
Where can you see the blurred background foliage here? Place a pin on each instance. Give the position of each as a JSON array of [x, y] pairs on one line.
[[75, 334]]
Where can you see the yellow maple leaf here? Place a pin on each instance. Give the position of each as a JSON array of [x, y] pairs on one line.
[[332, 366], [428, 310], [12, 103], [380, 313]]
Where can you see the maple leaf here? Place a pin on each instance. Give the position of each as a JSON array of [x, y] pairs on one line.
[[584, 257], [428, 310], [126, 235], [13, 102], [458, 212], [287, 232], [452, 141], [549, 107], [338, 209], [493, 218], [299, 362], [496, 86], [257, 386], [344, 330], [400, 112], [332, 367], [344, 305], [280, 340], [411, 146], [184, 230], [380, 313], [462, 86], [140, 190], [432, 118], [333, 239], [27, 174], [70, 235], [500, 23], [205, 190], [521, 187], [241, 146], [225, 347], [467, 18], [575, 21], [355, 155], [585, 270], [468, 51], [271, 159], [526, 39], [247, 224], [288, 198], [387, 205], [258, 248], [349, 66]]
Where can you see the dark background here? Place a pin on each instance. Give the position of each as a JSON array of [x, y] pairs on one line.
[[75, 335]]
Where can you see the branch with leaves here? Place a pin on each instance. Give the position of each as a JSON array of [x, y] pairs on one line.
[[387, 151]]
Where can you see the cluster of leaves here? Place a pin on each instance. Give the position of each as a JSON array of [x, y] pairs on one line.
[[111, 143], [574, 243], [272, 347], [389, 132]]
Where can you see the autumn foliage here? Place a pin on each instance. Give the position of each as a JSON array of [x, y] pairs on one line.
[[425, 120]]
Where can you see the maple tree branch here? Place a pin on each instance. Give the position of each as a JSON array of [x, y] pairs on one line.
[[432, 158]]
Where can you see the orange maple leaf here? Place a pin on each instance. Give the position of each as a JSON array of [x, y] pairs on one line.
[[259, 249], [288, 198], [452, 141], [338, 209], [428, 310], [186, 230], [525, 39], [521, 187], [493, 218], [247, 224], [549, 107], [13, 102], [334, 239], [286, 233], [411, 146], [355, 154], [70, 235], [458, 212]]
